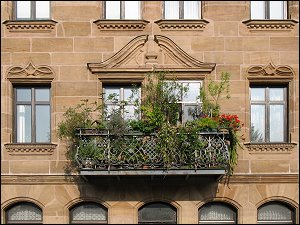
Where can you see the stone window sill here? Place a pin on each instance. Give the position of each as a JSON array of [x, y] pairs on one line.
[[183, 24], [121, 24], [270, 25], [30, 149], [35, 26], [269, 147]]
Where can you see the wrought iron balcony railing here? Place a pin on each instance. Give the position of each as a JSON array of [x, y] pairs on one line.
[[101, 151]]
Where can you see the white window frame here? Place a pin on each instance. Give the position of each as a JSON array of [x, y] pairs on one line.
[[181, 11], [33, 11], [122, 12], [265, 11]]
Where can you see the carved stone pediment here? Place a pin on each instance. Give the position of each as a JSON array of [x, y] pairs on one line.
[[30, 71], [270, 71], [146, 53]]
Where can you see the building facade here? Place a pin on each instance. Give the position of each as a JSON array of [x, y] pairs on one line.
[[54, 54]]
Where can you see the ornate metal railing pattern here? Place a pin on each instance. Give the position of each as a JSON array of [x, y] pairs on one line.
[[137, 151]]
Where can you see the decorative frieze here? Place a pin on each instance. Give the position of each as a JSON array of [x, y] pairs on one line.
[[270, 25], [30, 25], [178, 25], [121, 24], [270, 147], [30, 149]]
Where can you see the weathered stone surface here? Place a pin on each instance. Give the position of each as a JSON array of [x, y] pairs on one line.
[[52, 44]]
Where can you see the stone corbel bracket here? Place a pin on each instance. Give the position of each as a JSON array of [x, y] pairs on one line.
[[30, 72], [270, 25], [134, 25], [270, 147], [198, 25], [30, 25], [30, 149]]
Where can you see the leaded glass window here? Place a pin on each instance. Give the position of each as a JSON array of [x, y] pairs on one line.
[[24, 212], [88, 212], [217, 213], [157, 213], [275, 213]]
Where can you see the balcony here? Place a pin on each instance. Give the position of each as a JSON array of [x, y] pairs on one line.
[[102, 154]]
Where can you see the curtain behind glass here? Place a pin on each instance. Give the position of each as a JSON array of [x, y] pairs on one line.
[[191, 10], [171, 9]]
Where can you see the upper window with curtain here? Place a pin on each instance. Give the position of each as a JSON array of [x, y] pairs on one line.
[[32, 10], [182, 10], [269, 10], [124, 10]]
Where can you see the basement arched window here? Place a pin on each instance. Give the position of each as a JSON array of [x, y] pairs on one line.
[[24, 212]]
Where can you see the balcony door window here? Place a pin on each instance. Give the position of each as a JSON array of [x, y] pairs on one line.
[[269, 10], [123, 10], [182, 9], [32, 10]]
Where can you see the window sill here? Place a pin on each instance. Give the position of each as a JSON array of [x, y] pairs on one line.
[[30, 149], [271, 148], [182, 24], [121, 24], [36, 26], [270, 25]]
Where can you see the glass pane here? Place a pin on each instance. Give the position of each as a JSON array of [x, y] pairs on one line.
[[157, 212], [23, 123], [43, 9], [89, 212], [257, 94], [257, 10], [132, 10], [190, 112], [23, 9], [171, 9], [257, 123], [275, 212], [276, 123], [24, 94], [276, 94], [193, 92], [277, 10], [113, 10], [42, 94], [112, 94], [215, 212], [24, 212], [129, 112], [191, 10], [42, 114], [131, 94]]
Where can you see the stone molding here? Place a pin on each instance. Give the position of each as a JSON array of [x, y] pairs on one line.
[[121, 24], [30, 73], [32, 26], [270, 71], [270, 25], [270, 147], [178, 25], [30, 149], [261, 178]]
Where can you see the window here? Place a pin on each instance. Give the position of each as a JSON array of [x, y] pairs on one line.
[[275, 213], [268, 113], [122, 98], [182, 9], [32, 10], [24, 212], [157, 213], [268, 9], [88, 212], [122, 10], [32, 114], [217, 213]]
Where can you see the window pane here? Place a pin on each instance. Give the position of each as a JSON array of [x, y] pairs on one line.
[[276, 94], [23, 123], [257, 94], [42, 123], [23, 9], [43, 9], [24, 94], [276, 123], [129, 112], [257, 10], [277, 10], [217, 212], [171, 9], [189, 112], [88, 212], [131, 94], [112, 94], [257, 123], [193, 92], [24, 212], [157, 213], [275, 212], [191, 10], [42, 94], [132, 9], [113, 10]]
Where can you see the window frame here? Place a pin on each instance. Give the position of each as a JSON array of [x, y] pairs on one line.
[[267, 11], [122, 11], [33, 103], [267, 103], [32, 11], [181, 11]]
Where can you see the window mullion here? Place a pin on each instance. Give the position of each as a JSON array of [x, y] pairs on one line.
[[122, 10], [33, 10], [267, 10], [33, 138], [181, 9], [267, 122]]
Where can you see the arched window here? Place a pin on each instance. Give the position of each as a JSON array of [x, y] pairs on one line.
[[275, 212], [88, 212], [156, 213], [217, 213], [24, 212]]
